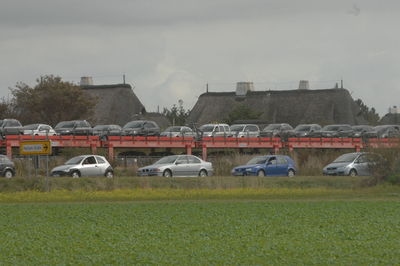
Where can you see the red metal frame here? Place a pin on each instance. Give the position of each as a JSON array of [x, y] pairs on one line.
[[189, 144]]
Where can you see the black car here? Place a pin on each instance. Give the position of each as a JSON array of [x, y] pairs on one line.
[[107, 130], [141, 128], [385, 131], [304, 130], [10, 127], [7, 167], [361, 130], [334, 131], [276, 130], [74, 127]]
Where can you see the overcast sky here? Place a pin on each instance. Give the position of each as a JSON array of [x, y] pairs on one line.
[[170, 49]]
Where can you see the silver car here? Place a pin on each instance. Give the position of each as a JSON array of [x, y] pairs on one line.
[[245, 130], [178, 165], [352, 164], [215, 130], [84, 165], [178, 131]]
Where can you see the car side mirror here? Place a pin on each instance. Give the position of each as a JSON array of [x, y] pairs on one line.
[[176, 163]]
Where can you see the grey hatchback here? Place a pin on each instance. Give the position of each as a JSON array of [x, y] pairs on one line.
[[353, 164], [84, 165]]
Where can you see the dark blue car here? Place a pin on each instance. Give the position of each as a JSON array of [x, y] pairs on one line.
[[267, 165]]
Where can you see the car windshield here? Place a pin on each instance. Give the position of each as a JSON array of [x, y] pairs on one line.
[[75, 160], [257, 160], [361, 128], [101, 127], [207, 128], [167, 160], [31, 127], [331, 128], [346, 158], [381, 128], [173, 129], [272, 127], [302, 128], [65, 124], [134, 124], [237, 128], [4, 159]]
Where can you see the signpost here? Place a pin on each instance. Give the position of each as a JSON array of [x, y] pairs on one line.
[[37, 147]]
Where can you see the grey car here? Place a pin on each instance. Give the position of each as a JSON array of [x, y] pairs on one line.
[[141, 128], [304, 130], [215, 130], [352, 164], [178, 131], [74, 127], [178, 165], [84, 165], [276, 130], [245, 130]]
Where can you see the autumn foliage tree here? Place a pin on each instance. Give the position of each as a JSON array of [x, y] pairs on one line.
[[50, 101]]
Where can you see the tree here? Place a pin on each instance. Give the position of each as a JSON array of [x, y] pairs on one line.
[[368, 114], [242, 112], [177, 114], [50, 101]]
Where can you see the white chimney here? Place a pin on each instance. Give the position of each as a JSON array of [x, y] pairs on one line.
[[243, 87], [85, 81]]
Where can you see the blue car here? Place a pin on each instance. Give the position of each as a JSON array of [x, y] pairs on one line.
[[267, 165]]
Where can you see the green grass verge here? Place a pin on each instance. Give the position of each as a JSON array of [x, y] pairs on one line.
[[201, 233], [284, 194]]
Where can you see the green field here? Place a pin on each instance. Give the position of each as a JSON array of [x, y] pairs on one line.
[[278, 232]]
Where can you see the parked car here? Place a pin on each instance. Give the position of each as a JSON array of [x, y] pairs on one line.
[[178, 165], [353, 164], [334, 131], [361, 130], [304, 130], [10, 127], [38, 130], [215, 130], [107, 130], [383, 132], [7, 167], [276, 130], [267, 165], [245, 130], [141, 128], [74, 127], [84, 165], [178, 131]]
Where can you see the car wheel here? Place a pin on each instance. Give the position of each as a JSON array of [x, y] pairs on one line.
[[261, 173], [203, 173], [291, 173], [167, 173], [8, 174], [75, 174], [109, 174], [353, 172]]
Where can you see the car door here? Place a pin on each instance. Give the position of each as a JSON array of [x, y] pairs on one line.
[[281, 166], [194, 165], [180, 166], [90, 167], [362, 165], [271, 166]]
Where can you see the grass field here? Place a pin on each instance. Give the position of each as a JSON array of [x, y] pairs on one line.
[[360, 232]]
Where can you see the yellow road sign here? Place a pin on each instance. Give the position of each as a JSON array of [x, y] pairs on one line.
[[35, 147]]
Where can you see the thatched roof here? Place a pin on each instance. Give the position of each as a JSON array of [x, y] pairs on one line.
[[390, 119], [116, 103], [295, 107]]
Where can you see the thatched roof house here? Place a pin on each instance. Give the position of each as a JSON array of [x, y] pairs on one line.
[[329, 106], [116, 103]]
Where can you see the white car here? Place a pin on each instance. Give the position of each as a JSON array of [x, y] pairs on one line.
[[38, 130], [178, 165], [84, 165], [215, 130]]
